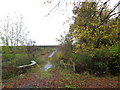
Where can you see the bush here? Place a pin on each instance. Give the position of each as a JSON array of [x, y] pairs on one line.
[[99, 62], [114, 61], [80, 68], [7, 53], [12, 59], [8, 72], [82, 61]]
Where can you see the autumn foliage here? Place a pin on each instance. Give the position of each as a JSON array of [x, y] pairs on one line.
[[93, 39]]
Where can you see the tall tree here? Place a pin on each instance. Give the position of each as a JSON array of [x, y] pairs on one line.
[[13, 32], [63, 4], [89, 30]]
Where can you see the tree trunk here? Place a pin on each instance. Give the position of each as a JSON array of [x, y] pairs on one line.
[[73, 66]]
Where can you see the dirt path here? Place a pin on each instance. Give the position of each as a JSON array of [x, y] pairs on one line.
[[57, 77], [37, 78]]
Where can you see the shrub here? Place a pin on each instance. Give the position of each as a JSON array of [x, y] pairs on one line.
[[99, 62], [8, 72], [114, 61]]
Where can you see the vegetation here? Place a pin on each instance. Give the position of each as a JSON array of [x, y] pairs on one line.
[[21, 56], [37, 78], [13, 32], [88, 56], [92, 41]]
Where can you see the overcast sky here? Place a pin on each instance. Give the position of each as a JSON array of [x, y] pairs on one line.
[[44, 30]]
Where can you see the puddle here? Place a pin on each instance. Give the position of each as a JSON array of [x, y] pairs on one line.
[[52, 53], [48, 65]]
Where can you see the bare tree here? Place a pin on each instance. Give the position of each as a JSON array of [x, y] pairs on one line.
[[13, 32]]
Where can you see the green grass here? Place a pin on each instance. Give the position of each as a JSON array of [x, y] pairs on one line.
[[20, 54], [67, 78]]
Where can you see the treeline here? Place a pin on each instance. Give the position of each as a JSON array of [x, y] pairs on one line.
[[92, 42]]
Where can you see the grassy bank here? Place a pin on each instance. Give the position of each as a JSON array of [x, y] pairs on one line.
[[21, 55], [59, 77]]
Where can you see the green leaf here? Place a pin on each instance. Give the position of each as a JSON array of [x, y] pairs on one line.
[[67, 86]]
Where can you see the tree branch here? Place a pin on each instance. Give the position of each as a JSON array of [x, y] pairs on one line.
[[103, 9], [112, 10], [56, 6]]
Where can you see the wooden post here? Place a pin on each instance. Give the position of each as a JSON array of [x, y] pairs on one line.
[[73, 66]]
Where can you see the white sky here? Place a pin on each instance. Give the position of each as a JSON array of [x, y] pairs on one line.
[[44, 30]]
